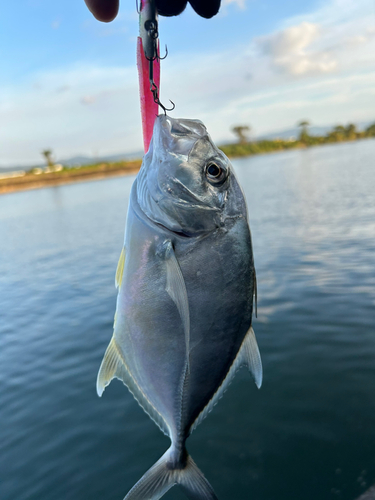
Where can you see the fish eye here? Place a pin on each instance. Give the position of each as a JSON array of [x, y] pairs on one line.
[[214, 173]]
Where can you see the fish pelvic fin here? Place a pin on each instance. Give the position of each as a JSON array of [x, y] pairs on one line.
[[249, 356], [114, 366], [165, 473]]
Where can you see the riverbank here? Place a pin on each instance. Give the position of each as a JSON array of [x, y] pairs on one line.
[[38, 178], [32, 180]]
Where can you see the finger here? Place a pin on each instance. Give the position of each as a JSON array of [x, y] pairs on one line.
[[206, 8], [170, 8], [103, 10]]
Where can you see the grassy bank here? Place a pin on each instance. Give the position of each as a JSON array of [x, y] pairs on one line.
[[36, 178]]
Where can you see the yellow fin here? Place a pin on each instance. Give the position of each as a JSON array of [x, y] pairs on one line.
[[120, 268]]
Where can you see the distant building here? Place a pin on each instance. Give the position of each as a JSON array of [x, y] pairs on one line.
[[10, 175]]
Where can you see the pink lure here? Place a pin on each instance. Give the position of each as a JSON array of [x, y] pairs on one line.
[[149, 109]]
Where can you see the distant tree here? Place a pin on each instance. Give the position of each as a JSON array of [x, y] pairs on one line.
[[304, 134], [242, 132], [370, 131], [338, 134], [351, 132], [47, 153]]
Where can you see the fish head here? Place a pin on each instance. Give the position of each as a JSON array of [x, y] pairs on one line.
[[186, 184]]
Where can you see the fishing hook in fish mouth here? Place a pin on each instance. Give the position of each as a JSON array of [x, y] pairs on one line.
[[155, 92], [153, 87]]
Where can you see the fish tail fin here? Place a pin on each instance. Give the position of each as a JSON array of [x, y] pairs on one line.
[[163, 475]]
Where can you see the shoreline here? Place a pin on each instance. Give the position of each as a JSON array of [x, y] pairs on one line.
[[32, 181]]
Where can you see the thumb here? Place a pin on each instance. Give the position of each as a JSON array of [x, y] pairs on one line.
[[103, 10]]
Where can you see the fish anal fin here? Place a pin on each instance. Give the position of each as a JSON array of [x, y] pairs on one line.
[[251, 356], [114, 366], [176, 289], [109, 369], [120, 268], [248, 355]]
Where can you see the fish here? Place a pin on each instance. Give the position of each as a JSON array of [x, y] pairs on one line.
[[186, 285]]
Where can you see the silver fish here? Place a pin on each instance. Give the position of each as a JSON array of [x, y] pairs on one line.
[[186, 282]]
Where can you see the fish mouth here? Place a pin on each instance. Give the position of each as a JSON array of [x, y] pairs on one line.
[[178, 135]]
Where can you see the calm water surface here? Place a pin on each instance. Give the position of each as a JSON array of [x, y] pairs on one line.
[[308, 434]]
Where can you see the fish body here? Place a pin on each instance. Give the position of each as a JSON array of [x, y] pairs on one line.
[[186, 283]]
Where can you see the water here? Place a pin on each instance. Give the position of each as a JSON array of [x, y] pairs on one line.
[[309, 433]]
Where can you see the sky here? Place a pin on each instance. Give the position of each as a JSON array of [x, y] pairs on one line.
[[69, 83]]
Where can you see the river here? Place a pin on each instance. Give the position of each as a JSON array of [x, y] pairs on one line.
[[308, 434]]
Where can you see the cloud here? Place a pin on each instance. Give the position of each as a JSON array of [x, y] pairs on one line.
[[309, 67], [56, 24], [241, 4], [62, 88], [88, 99], [292, 50], [320, 66], [292, 40], [52, 114]]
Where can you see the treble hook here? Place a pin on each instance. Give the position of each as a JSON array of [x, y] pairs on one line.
[[149, 32], [155, 92], [157, 57], [166, 53]]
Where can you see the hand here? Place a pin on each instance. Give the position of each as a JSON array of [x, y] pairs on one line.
[[106, 10]]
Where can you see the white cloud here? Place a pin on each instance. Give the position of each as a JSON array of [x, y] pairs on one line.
[[240, 3], [291, 40], [292, 50], [88, 99], [56, 24], [48, 111], [310, 67]]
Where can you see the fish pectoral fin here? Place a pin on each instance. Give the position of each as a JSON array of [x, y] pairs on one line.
[[120, 268], [176, 289], [114, 366], [248, 355]]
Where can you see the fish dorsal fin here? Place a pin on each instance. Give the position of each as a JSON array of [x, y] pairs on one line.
[[120, 268], [114, 366], [176, 289], [247, 355]]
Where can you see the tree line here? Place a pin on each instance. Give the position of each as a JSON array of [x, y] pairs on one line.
[[340, 133]]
